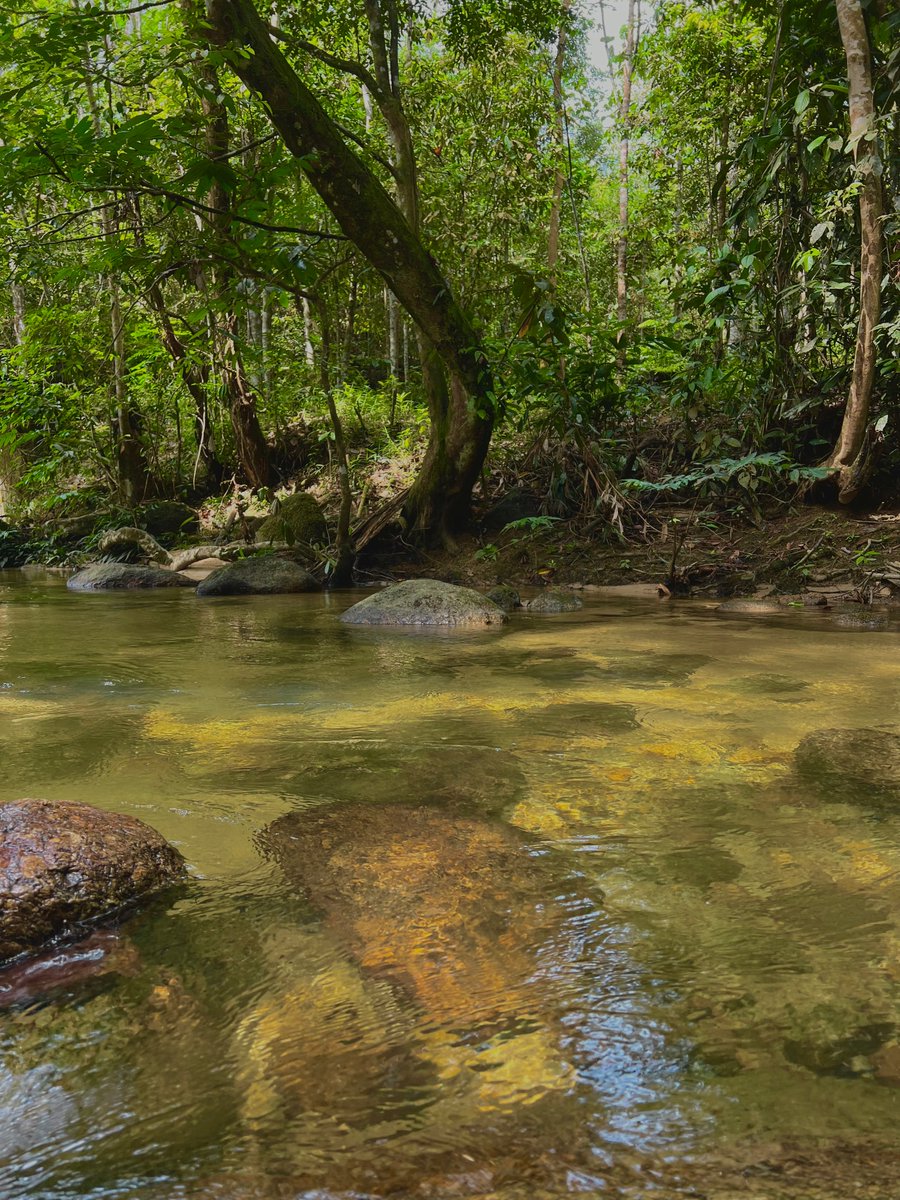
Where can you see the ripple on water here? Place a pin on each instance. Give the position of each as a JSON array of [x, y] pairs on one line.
[[557, 910]]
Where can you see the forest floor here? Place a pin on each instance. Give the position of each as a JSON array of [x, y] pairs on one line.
[[827, 554]]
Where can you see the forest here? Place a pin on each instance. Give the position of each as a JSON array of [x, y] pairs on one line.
[[412, 258], [449, 600]]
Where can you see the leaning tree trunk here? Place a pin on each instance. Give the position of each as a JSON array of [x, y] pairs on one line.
[[439, 499], [462, 413], [849, 456]]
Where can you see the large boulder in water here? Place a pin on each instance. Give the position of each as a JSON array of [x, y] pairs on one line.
[[262, 576], [102, 577], [64, 864], [298, 519], [425, 602], [856, 766]]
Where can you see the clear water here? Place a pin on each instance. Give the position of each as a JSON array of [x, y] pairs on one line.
[[599, 936]]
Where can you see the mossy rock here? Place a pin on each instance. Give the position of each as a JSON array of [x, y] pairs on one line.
[[260, 576], [425, 602], [167, 518], [554, 600], [297, 519], [505, 597], [106, 577]]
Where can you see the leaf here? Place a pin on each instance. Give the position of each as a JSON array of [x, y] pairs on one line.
[[801, 104], [716, 292], [817, 142], [881, 423], [818, 231]]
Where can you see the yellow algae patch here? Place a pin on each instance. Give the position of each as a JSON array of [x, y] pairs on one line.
[[217, 735], [508, 1071], [22, 708], [698, 753]]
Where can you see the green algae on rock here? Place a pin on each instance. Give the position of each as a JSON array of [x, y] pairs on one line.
[[64, 864], [505, 597], [425, 602]]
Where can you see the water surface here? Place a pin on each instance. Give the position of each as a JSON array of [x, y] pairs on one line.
[[578, 923]]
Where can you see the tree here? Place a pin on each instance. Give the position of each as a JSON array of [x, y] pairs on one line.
[[849, 456], [462, 412]]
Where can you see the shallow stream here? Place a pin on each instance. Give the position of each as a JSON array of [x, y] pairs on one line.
[[543, 911]]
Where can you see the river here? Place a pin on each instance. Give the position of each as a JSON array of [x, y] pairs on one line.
[[542, 911]]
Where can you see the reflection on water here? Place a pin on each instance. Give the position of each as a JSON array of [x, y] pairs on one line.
[[530, 912]]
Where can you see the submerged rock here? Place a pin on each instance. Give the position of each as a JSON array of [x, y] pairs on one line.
[[264, 575], [555, 600], [100, 577], [856, 766], [448, 907], [297, 519], [862, 619], [64, 864], [425, 602], [505, 597], [752, 608]]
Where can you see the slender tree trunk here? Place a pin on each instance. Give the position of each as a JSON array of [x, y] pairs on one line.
[[18, 308], [250, 445], [461, 414], [132, 471], [625, 122], [342, 576], [849, 455], [559, 132]]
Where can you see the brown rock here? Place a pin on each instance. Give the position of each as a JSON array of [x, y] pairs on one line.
[[64, 864]]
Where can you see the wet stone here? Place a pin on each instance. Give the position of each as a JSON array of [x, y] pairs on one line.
[[555, 600], [101, 577], [425, 602], [505, 597], [63, 864], [265, 575]]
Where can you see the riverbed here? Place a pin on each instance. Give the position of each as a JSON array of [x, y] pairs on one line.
[[686, 980]]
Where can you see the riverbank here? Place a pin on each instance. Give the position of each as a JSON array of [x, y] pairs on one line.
[[823, 555]]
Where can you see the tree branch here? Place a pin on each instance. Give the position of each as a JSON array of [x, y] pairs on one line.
[[348, 65]]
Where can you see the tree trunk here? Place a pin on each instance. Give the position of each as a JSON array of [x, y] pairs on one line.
[[342, 575], [461, 415], [559, 131], [251, 447], [625, 120], [132, 472], [849, 455]]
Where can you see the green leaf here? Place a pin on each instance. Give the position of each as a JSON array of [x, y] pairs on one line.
[[801, 104]]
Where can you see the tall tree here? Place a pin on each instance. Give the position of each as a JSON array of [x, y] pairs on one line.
[[849, 456], [462, 411]]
